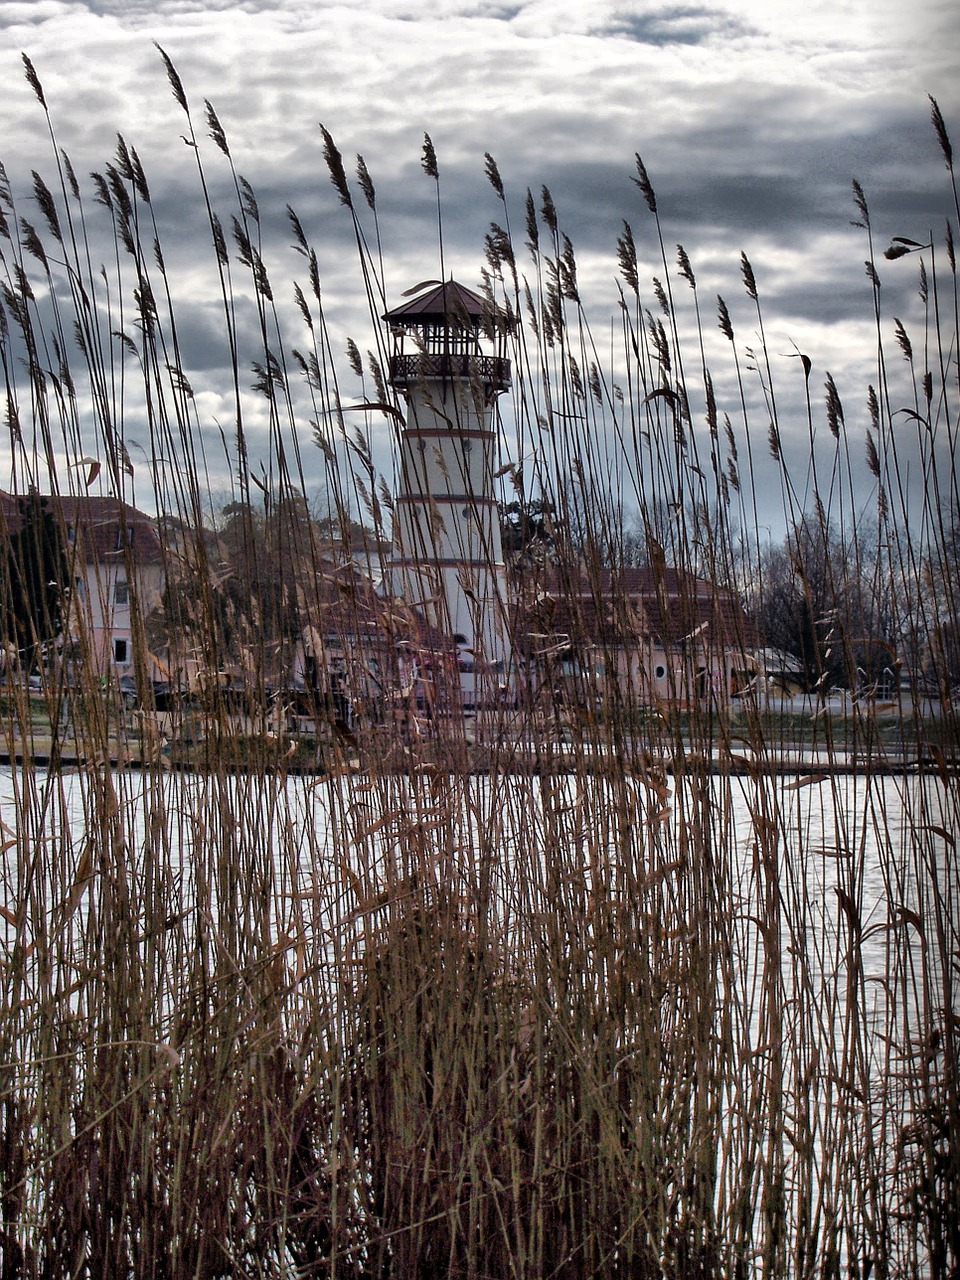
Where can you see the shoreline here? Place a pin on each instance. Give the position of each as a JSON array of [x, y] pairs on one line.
[[521, 757]]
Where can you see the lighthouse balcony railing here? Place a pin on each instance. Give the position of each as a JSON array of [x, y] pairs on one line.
[[489, 371]]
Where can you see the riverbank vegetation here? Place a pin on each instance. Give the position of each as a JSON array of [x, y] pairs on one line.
[[604, 1010]]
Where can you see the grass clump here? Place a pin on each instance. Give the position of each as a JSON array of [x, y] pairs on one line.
[[586, 987]]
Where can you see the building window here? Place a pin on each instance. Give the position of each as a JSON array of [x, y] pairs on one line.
[[660, 671], [121, 594], [120, 652], [124, 536]]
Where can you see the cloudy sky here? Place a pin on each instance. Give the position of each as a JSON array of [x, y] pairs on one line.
[[752, 119]]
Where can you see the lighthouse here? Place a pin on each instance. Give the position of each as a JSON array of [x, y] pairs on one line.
[[448, 362]]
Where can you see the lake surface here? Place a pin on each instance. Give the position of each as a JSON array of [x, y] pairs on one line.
[[847, 853], [810, 921]]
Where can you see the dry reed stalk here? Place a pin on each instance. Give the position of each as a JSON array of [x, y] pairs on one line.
[[628, 1001]]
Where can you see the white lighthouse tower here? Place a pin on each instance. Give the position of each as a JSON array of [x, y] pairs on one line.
[[448, 362]]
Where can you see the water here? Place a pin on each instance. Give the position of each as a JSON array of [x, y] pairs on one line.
[[869, 853], [825, 913]]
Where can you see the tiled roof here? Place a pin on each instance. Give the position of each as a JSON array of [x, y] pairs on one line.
[[628, 605], [342, 601], [104, 528], [439, 303]]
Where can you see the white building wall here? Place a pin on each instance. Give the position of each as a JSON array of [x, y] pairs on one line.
[[448, 553], [100, 621]]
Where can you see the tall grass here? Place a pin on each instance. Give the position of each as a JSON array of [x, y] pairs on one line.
[[604, 992]]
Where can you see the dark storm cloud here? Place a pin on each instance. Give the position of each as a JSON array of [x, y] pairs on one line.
[[681, 24], [752, 121]]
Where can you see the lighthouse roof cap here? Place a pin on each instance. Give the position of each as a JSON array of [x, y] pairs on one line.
[[443, 305]]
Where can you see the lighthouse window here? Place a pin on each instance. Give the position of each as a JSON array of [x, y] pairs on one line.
[[467, 446], [466, 513]]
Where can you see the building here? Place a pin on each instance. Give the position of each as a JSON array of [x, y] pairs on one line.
[[656, 634], [449, 365], [364, 659], [114, 567]]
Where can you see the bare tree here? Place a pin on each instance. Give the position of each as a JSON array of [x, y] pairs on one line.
[[817, 598]]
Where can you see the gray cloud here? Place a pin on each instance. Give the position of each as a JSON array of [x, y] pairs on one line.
[[752, 123], [678, 24]]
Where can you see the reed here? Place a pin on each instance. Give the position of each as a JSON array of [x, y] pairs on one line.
[[606, 992]]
